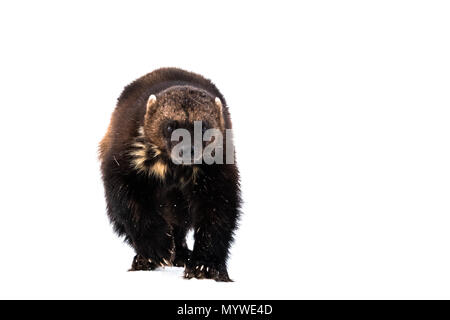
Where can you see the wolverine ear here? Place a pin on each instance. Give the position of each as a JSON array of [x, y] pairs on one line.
[[220, 106], [151, 102]]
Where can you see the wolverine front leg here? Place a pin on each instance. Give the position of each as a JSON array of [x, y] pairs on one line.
[[215, 212], [210, 252], [154, 244], [135, 215]]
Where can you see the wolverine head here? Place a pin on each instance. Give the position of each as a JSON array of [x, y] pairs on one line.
[[190, 109]]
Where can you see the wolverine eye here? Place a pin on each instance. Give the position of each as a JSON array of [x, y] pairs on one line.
[[169, 128], [205, 126]]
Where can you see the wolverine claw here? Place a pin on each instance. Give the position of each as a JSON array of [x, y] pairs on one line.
[[168, 263], [141, 264], [202, 271]]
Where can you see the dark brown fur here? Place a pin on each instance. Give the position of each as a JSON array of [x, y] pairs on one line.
[[153, 202]]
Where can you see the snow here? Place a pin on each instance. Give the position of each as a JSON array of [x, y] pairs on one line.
[[352, 97]]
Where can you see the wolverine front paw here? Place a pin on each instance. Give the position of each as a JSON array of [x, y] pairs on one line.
[[141, 263], [164, 253], [153, 254], [206, 271]]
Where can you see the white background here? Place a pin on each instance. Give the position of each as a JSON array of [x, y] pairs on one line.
[[341, 112]]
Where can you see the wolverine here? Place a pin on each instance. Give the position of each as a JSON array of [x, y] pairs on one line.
[[153, 201]]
